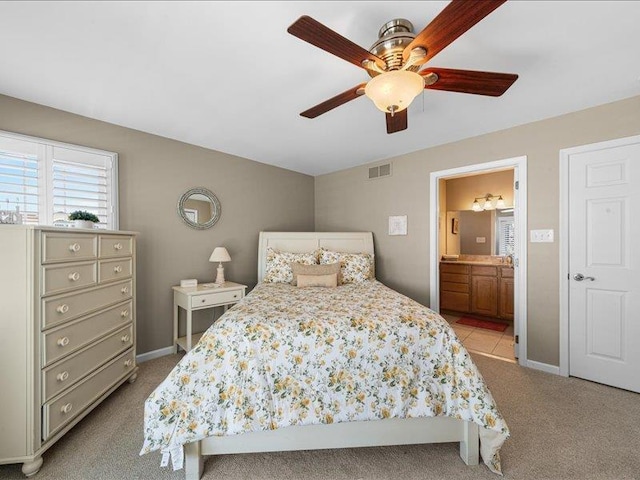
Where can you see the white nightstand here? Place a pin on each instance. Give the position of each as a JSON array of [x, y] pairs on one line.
[[199, 298]]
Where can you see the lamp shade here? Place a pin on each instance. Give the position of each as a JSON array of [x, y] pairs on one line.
[[394, 91], [220, 254]]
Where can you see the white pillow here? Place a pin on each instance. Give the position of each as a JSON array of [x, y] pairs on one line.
[[354, 267], [278, 265]]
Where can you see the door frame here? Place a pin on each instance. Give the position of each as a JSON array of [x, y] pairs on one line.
[[519, 165], [564, 239]]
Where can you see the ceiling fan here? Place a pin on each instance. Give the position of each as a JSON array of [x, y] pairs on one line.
[[395, 59]]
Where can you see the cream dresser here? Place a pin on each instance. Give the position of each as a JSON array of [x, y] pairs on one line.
[[67, 331]]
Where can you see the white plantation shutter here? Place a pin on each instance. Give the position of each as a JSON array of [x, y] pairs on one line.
[[47, 180], [19, 179], [506, 235], [81, 181]]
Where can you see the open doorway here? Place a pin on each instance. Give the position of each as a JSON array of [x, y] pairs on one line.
[[478, 255]]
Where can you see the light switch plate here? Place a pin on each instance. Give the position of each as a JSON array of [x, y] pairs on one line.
[[481, 239], [538, 236]]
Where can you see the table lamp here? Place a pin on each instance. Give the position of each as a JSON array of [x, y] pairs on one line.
[[220, 255]]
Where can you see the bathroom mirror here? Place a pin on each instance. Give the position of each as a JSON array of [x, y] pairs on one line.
[[489, 232], [199, 208]]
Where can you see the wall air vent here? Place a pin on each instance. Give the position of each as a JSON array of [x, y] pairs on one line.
[[380, 171]]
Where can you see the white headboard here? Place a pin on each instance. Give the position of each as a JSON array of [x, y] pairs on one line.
[[301, 242]]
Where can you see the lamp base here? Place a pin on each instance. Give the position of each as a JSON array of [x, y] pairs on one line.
[[220, 277]]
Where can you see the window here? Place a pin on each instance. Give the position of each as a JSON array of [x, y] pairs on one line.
[[43, 181], [506, 235]]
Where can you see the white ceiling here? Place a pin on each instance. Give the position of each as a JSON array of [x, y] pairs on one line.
[[227, 75]]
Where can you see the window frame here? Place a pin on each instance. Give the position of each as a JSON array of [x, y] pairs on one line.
[[45, 180]]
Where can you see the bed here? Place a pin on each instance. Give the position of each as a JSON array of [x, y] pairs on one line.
[[293, 368]]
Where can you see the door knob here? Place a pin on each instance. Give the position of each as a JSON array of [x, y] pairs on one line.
[[578, 277]]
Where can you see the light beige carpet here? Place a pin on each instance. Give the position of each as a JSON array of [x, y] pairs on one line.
[[561, 429]]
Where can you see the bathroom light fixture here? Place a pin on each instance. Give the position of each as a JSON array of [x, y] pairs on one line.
[[487, 203], [394, 91]]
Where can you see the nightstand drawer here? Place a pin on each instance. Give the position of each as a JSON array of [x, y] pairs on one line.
[[56, 310], [114, 269], [115, 246], [59, 412], [58, 247], [216, 298], [64, 374], [59, 342], [70, 276]]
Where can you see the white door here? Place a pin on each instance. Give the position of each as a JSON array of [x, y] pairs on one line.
[[604, 265]]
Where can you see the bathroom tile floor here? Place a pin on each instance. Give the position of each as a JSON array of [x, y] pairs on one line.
[[481, 340]]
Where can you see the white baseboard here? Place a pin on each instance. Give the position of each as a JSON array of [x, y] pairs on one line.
[[545, 367], [161, 352]]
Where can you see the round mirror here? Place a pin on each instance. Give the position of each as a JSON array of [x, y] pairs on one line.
[[199, 208]]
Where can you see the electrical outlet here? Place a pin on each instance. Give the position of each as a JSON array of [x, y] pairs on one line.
[[538, 236]]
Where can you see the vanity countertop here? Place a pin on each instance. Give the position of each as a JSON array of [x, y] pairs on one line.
[[468, 262]]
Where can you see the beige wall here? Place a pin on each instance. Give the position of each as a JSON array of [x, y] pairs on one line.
[[475, 225], [461, 192], [346, 200], [154, 172]]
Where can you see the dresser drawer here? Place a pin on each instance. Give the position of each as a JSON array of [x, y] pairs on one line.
[[216, 298], [69, 276], [59, 412], [61, 308], [454, 278], [454, 287], [110, 270], [67, 372], [115, 246], [487, 271], [72, 336], [506, 272], [458, 302], [450, 268], [63, 247]]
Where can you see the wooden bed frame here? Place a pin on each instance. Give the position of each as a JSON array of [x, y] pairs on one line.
[[339, 435]]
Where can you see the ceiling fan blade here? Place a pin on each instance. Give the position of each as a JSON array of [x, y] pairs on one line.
[[397, 122], [469, 81], [334, 102], [457, 17], [315, 33]]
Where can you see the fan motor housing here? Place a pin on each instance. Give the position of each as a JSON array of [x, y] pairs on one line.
[[393, 37]]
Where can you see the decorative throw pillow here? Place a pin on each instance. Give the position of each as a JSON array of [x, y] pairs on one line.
[[330, 280], [354, 267], [278, 265], [301, 269]]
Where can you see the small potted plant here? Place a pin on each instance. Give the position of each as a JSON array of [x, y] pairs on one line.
[[83, 219]]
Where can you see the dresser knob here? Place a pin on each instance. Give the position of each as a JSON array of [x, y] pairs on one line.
[[63, 341], [124, 290], [66, 408], [125, 338], [128, 363], [74, 247], [64, 308], [117, 246], [117, 269], [204, 300], [62, 376], [124, 313], [74, 277], [235, 296]]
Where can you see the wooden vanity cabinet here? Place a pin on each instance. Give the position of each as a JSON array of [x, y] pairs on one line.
[[484, 290], [506, 294], [481, 289], [454, 287]]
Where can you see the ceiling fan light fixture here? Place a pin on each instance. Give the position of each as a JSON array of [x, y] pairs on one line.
[[392, 92]]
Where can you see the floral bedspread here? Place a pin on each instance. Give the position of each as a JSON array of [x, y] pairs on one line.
[[296, 356]]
